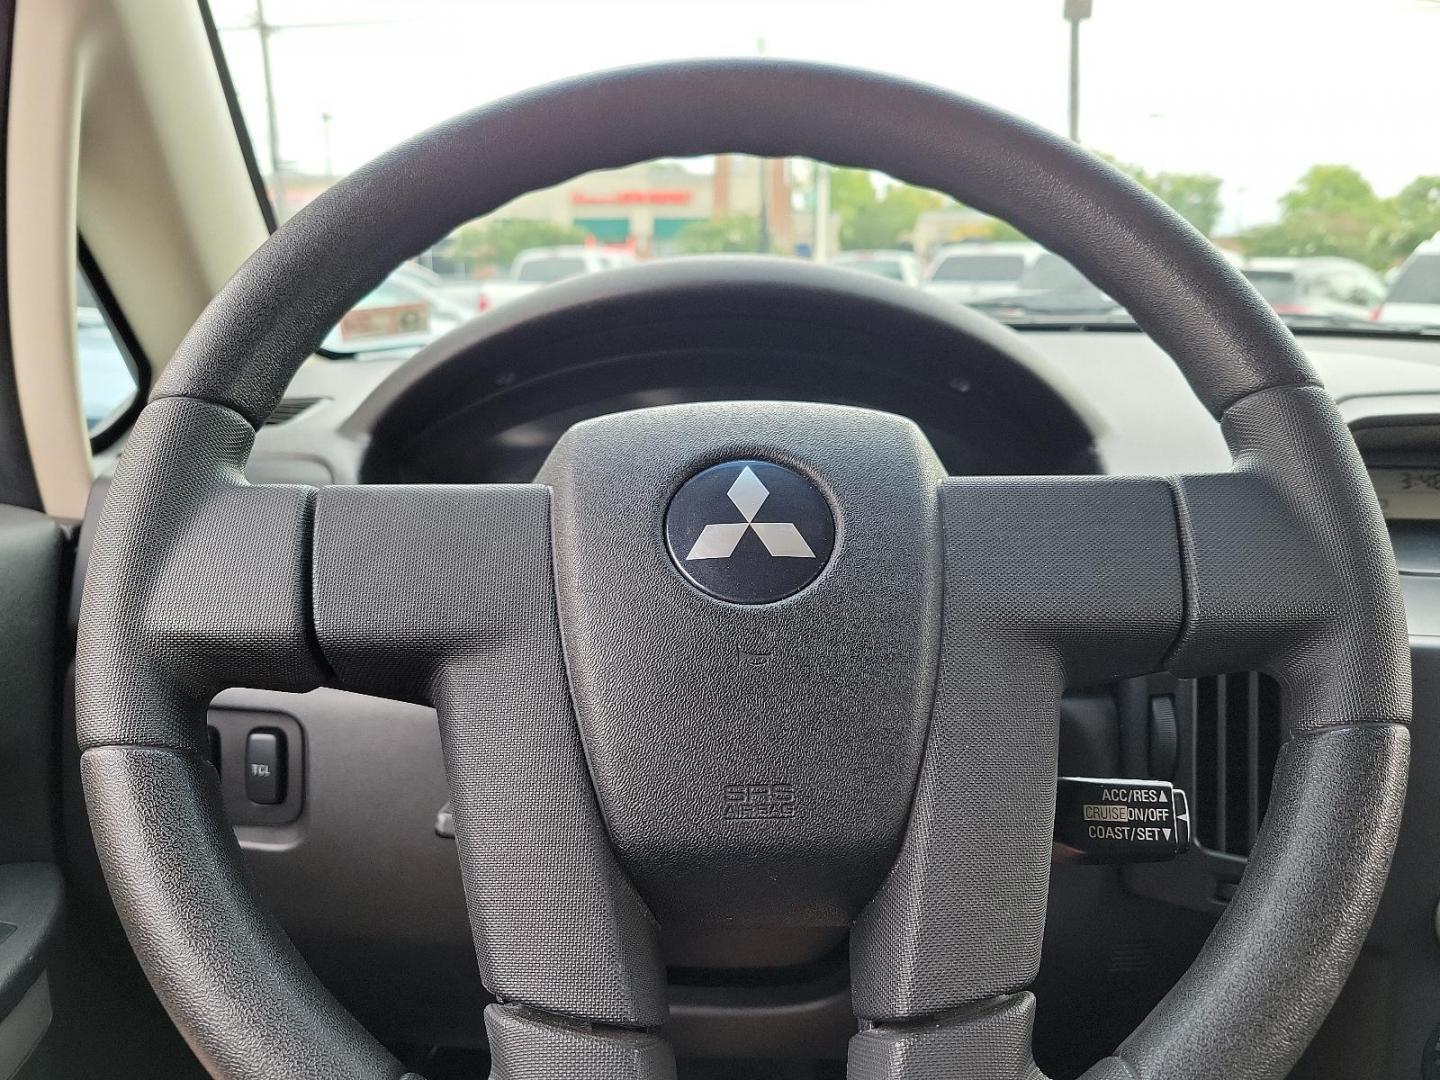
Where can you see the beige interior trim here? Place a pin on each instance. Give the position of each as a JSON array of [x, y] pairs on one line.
[[118, 126], [166, 203], [42, 150]]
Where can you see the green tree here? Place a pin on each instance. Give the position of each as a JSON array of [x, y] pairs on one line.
[[1194, 196], [498, 242], [1415, 218], [851, 192], [739, 232], [1332, 210], [869, 219], [1330, 189], [891, 221]]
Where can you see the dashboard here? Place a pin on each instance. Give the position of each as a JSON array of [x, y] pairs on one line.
[[486, 403], [1407, 493], [364, 852]]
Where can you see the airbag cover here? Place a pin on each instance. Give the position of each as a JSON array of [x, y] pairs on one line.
[[751, 757]]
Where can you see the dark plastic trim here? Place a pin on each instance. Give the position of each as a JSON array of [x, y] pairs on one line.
[[30, 900], [33, 558], [131, 350], [531, 339], [237, 117]]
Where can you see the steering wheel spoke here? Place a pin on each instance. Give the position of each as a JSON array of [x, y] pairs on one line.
[[525, 1044], [203, 587], [1087, 568], [445, 594], [410, 581], [1047, 580], [990, 1040], [1288, 566]]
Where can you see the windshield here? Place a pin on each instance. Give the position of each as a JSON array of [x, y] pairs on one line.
[[1344, 186], [893, 268], [1050, 271], [553, 268], [1276, 286], [978, 268], [1418, 283]]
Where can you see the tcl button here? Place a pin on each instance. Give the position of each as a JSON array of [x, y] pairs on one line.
[[265, 767]]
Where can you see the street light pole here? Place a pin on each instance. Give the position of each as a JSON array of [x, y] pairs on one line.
[[1076, 11], [1075, 80], [762, 170], [762, 231], [265, 29], [277, 174], [820, 243]]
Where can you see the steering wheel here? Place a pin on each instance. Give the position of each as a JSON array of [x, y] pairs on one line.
[[656, 708]]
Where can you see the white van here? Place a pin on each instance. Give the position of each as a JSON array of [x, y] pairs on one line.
[[1414, 295], [979, 271]]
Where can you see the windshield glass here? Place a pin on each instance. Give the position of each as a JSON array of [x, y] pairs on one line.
[[1337, 176], [1050, 271], [978, 268], [879, 269], [550, 268], [1276, 286], [894, 269], [1419, 282]]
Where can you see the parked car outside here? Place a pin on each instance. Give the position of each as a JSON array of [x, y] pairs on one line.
[[1414, 294], [1326, 289], [1051, 287], [976, 271], [538, 267], [407, 310], [896, 265]]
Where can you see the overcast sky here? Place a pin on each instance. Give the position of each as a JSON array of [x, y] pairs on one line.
[[1254, 91]]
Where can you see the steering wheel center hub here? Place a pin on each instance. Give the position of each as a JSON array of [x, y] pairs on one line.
[[731, 743]]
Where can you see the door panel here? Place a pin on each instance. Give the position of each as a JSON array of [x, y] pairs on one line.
[[32, 558]]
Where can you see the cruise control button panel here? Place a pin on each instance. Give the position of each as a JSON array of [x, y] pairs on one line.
[[1117, 820]]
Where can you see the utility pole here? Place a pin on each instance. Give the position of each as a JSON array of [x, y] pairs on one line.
[[762, 227], [820, 243], [762, 175], [265, 30], [1076, 11], [277, 172]]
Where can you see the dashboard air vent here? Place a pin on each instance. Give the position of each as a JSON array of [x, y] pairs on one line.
[[291, 407], [1237, 740]]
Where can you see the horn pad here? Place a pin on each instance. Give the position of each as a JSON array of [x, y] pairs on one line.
[[749, 601]]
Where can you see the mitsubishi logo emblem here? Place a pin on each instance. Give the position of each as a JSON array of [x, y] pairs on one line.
[[781, 539], [751, 532]]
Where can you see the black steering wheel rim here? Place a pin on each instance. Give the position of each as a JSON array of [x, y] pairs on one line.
[[148, 659]]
